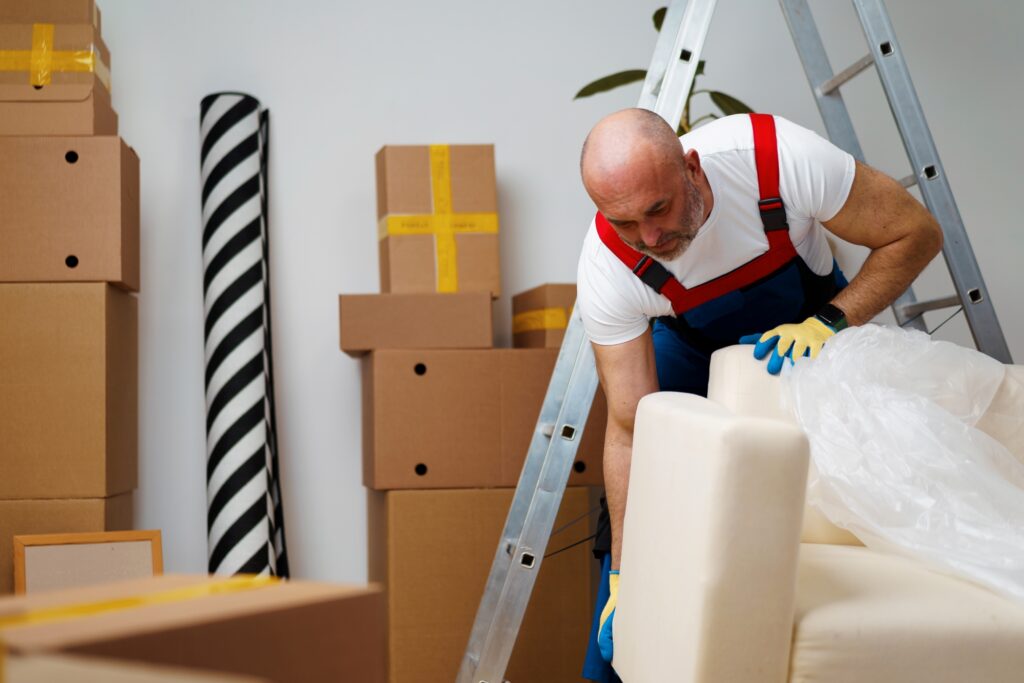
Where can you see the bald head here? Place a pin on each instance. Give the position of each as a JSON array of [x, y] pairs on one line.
[[626, 145], [649, 190]]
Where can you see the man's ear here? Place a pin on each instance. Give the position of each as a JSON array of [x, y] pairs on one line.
[[692, 160]]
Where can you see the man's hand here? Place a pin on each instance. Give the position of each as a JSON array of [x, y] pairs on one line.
[[789, 341]]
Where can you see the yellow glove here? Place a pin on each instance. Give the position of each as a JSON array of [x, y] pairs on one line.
[[790, 341], [604, 631]]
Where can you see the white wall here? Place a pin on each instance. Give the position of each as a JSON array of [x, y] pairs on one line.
[[341, 79]]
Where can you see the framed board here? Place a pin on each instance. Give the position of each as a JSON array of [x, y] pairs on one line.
[[51, 561]]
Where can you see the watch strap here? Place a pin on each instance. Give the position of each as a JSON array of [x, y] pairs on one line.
[[833, 316]]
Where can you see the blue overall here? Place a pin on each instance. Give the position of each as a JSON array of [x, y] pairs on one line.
[[683, 346]]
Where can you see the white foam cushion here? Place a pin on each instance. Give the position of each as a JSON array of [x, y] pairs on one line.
[[864, 616], [742, 385], [710, 544]]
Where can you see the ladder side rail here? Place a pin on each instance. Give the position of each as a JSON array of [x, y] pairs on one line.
[[664, 54], [932, 180], [836, 116], [525, 565], [683, 60], [535, 505], [816, 65], [521, 502]]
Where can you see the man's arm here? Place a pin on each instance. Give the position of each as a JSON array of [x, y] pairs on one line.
[[903, 237], [627, 374]]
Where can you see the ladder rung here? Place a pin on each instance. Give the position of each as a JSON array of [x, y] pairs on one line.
[[910, 310], [908, 180], [846, 74]]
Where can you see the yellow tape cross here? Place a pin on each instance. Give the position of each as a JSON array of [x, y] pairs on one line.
[[46, 615], [42, 60], [442, 223], [554, 318]]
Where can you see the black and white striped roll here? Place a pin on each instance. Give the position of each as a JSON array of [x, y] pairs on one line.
[[245, 517]]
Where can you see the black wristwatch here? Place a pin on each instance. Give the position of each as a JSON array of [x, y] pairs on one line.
[[832, 316]]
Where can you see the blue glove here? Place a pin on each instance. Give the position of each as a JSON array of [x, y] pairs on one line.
[[789, 341], [604, 633]]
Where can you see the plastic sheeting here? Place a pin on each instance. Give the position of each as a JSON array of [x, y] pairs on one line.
[[891, 417]]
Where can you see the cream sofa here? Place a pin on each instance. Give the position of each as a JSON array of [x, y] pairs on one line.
[[726, 578]]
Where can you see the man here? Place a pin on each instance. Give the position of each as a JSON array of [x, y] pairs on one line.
[[719, 236]]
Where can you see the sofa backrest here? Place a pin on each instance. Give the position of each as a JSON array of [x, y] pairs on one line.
[[741, 384], [1004, 419]]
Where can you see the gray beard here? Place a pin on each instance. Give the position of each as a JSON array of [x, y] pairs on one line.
[[688, 227]]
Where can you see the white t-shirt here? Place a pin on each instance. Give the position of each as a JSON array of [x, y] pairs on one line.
[[814, 180]]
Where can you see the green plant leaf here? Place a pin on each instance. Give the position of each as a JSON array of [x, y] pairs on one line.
[[659, 17], [710, 117], [728, 104], [609, 82], [700, 69]]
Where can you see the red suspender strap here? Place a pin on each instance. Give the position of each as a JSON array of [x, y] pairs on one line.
[[766, 158], [766, 155], [627, 254], [773, 215]]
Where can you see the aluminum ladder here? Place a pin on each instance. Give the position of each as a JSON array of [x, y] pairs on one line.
[[887, 58], [566, 407]]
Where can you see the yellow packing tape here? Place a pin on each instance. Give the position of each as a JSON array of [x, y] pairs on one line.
[[541, 319], [42, 60], [442, 223], [46, 615]]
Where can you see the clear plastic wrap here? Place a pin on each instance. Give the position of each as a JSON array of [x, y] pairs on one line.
[[891, 415]]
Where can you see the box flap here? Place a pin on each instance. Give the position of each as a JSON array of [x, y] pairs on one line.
[[158, 616], [53, 11]]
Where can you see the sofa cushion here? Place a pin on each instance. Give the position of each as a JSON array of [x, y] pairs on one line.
[[864, 616]]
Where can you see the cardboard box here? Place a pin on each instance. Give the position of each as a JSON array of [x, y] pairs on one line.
[[415, 321], [72, 109], [433, 551], [50, 11], [526, 374], [540, 316], [71, 102], [68, 390], [51, 668], [289, 631], [437, 219], [69, 515], [70, 210], [460, 419]]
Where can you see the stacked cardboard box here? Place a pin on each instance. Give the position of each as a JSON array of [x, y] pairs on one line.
[[69, 267], [50, 668], [447, 422], [541, 315], [282, 631]]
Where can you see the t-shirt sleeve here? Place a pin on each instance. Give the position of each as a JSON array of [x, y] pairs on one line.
[[609, 316], [815, 175]]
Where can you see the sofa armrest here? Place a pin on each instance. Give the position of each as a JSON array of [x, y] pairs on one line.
[[710, 545]]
